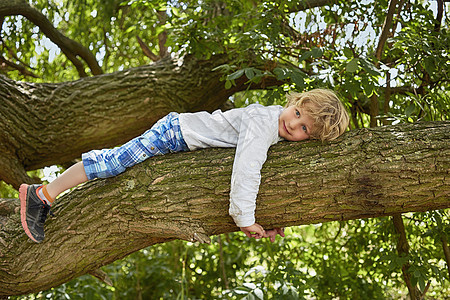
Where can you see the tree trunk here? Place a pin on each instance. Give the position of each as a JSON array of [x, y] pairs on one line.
[[366, 173], [45, 124]]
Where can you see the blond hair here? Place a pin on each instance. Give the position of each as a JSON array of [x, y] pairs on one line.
[[324, 107]]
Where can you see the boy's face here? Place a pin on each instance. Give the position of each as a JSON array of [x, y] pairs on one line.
[[293, 125]]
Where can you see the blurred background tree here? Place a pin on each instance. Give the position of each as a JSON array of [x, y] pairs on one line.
[[388, 60]]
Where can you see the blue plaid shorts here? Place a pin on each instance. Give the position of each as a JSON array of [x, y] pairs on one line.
[[164, 137]]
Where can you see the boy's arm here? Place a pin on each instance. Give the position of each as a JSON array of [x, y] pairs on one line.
[[255, 138]]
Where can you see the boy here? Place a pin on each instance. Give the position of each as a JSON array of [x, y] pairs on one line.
[[316, 114]]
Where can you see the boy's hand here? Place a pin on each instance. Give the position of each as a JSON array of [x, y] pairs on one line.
[[254, 230], [272, 233]]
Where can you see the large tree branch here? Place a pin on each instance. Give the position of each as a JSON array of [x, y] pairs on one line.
[[366, 173], [69, 47]]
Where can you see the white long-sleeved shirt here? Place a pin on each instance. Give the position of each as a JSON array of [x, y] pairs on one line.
[[252, 130]]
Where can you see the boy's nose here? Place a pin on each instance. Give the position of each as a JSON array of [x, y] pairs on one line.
[[295, 124]]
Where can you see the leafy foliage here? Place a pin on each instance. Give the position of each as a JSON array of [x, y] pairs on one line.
[[350, 260], [328, 47]]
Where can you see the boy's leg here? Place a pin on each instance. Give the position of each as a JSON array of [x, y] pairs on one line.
[[35, 200], [72, 177], [164, 137]]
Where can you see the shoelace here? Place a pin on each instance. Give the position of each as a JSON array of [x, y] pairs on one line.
[[43, 212], [46, 209]]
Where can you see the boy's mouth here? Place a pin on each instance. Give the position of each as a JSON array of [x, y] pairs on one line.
[[285, 128]]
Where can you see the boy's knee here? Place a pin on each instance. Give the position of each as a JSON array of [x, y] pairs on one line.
[[98, 164]]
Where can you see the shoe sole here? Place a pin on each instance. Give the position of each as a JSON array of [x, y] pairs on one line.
[[23, 193]]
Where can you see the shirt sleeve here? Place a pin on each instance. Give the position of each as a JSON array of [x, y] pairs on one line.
[[256, 135]]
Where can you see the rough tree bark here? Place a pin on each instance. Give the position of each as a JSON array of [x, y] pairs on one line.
[[366, 173]]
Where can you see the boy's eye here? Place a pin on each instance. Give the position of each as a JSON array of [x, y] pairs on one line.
[[297, 113], [304, 128]]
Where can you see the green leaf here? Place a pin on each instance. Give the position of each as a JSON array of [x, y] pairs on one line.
[[228, 84], [438, 219], [417, 273], [430, 65], [352, 66], [369, 67], [241, 290], [421, 283], [249, 285], [250, 73], [348, 52], [298, 78], [224, 68], [130, 29], [410, 109], [316, 52], [281, 73], [367, 86], [258, 293], [352, 87], [414, 280], [305, 56], [235, 75]]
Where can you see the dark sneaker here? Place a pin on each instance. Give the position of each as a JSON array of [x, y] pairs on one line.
[[33, 211]]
